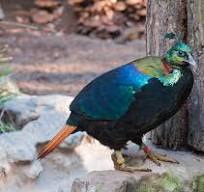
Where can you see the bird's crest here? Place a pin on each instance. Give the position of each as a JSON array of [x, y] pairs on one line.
[[179, 44], [172, 35]]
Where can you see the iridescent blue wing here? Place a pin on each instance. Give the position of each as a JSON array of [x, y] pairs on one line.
[[109, 96]]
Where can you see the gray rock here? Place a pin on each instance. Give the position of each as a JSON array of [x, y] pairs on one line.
[[188, 176], [34, 171], [40, 118], [57, 171], [28, 108], [104, 181]]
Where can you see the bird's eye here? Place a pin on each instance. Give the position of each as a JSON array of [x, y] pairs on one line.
[[181, 54]]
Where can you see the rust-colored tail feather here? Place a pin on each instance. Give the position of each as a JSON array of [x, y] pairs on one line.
[[57, 139]]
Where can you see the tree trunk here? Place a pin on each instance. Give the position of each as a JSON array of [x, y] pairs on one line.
[[167, 16], [186, 128], [196, 40]]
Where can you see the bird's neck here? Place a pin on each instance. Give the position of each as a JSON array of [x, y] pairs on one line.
[[173, 73], [166, 66], [172, 78]]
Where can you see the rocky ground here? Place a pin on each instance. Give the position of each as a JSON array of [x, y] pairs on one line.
[[79, 164], [37, 119]]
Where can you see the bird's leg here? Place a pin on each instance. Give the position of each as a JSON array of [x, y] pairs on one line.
[[156, 157], [120, 164]]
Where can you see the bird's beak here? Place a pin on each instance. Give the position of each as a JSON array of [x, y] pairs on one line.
[[192, 62]]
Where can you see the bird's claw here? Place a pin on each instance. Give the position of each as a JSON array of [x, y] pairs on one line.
[[156, 158], [119, 164], [132, 169]]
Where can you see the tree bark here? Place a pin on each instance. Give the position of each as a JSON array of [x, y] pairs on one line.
[[195, 11], [167, 16]]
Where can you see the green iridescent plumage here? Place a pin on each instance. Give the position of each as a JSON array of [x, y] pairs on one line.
[[179, 52], [152, 66]]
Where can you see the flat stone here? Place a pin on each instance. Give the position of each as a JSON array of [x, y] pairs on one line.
[[186, 177], [110, 181]]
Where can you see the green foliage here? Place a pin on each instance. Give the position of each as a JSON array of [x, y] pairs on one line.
[[198, 184], [170, 182], [167, 182], [6, 122], [7, 89], [5, 70], [6, 127]]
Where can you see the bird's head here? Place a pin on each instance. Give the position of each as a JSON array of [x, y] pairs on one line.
[[180, 54]]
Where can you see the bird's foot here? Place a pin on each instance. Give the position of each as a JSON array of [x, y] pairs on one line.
[[156, 157], [120, 164]]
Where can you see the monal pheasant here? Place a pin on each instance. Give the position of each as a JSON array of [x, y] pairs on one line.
[[125, 103]]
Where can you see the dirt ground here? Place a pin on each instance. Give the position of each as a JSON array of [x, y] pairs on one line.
[[51, 63]]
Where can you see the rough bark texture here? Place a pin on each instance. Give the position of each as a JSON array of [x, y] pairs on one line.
[[195, 11], [167, 16]]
